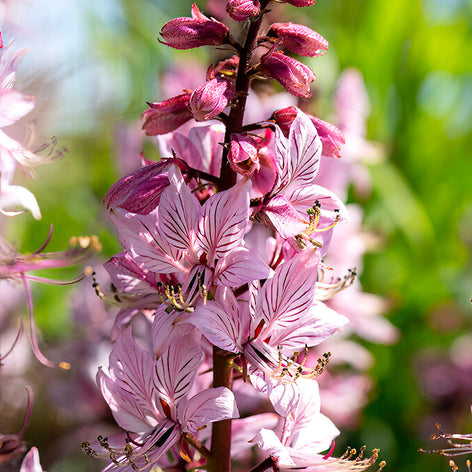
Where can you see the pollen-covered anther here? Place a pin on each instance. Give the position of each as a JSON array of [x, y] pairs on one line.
[[289, 370], [173, 297]]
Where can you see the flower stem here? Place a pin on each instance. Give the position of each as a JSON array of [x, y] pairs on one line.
[[221, 430], [235, 119]]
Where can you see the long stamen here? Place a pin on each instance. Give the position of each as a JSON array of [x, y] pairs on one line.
[[18, 336]]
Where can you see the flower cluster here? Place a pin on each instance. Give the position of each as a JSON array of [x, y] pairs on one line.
[[224, 241]]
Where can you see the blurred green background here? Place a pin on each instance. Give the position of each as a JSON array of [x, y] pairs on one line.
[[416, 59]]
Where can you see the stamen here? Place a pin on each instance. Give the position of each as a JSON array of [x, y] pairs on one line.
[[18, 336], [324, 291], [314, 215]]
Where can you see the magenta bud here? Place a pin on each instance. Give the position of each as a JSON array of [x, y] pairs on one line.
[[292, 74], [211, 98], [243, 154], [193, 32], [299, 39], [163, 117], [241, 10], [300, 3], [140, 191], [331, 137]]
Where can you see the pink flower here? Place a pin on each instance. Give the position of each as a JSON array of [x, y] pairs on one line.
[[149, 399], [166, 116], [282, 317], [241, 10], [296, 205], [199, 30], [299, 39], [198, 246], [210, 99], [295, 76]]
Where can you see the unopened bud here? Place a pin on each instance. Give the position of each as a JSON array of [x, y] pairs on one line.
[[300, 3], [299, 39], [193, 32], [241, 10], [163, 117], [292, 74], [211, 98]]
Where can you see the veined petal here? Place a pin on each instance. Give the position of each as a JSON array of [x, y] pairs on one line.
[[224, 221], [127, 276], [288, 295], [239, 266], [131, 369], [298, 158], [284, 218], [140, 235], [126, 410], [179, 212], [319, 324], [176, 369], [219, 325], [302, 198], [214, 404], [269, 442]]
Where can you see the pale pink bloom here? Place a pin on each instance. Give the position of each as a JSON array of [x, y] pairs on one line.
[[200, 245], [295, 192], [211, 98], [199, 30], [149, 398], [295, 76], [31, 462], [281, 318], [302, 434], [241, 10], [299, 39], [14, 199]]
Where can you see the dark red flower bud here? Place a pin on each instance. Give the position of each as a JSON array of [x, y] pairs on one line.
[[299, 39], [199, 30], [292, 74], [163, 117], [210, 99], [241, 10]]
